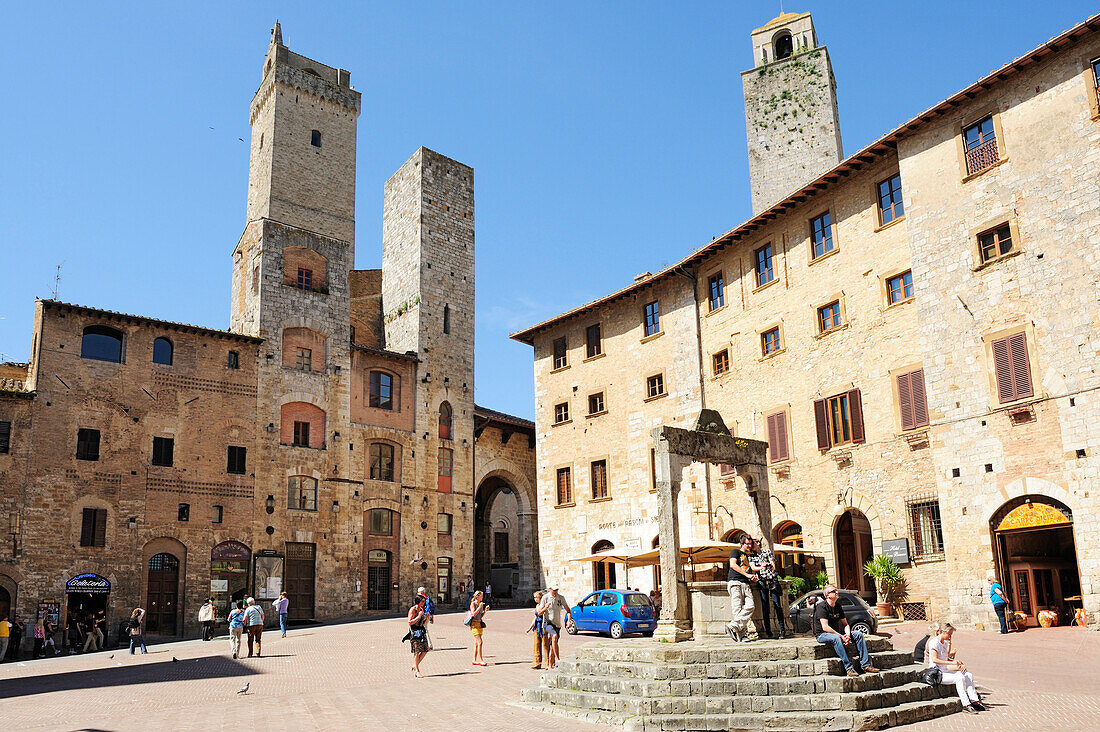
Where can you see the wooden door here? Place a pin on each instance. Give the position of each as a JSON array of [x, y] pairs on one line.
[[163, 594], [847, 559], [300, 576], [379, 579]]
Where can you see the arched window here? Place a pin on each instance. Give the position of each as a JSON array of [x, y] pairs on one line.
[[301, 493], [315, 136], [302, 424], [445, 416], [381, 461], [162, 351], [380, 522], [101, 343], [603, 573], [784, 46]]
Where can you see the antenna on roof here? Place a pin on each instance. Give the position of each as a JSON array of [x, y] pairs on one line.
[[57, 281]]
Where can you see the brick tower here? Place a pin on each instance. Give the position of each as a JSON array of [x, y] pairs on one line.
[[428, 308], [791, 116], [291, 287]]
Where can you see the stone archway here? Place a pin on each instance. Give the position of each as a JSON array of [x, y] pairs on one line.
[[504, 498], [850, 500]]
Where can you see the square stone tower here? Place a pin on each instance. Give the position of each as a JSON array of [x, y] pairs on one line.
[[791, 116], [428, 308]]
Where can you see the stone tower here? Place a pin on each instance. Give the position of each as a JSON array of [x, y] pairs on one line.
[[428, 308], [291, 287], [791, 116]]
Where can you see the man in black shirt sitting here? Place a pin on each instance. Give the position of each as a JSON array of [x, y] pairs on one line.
[[832, 629]]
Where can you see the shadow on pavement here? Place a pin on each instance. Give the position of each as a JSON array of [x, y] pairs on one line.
[[122, 675]]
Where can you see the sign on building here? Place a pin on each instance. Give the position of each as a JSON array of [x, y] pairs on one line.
[[896, 549]]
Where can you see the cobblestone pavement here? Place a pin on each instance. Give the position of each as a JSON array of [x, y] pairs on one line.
[[357, 676], [333, 677], [1041, 679]]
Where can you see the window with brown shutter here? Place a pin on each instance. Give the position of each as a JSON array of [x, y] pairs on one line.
[[1013, 369], [777, 437], [839, 419], [855, 404], [911, 400], [821, 420], [93, 527], [565, 487]]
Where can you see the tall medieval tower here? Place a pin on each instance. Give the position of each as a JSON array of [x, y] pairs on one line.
[[428, 309], [291, 287], [791, 116]]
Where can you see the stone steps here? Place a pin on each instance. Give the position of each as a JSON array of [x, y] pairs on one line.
[[716, 684], [660, 670]]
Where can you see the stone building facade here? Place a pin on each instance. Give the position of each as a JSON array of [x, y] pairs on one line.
[[909, 330], [326, 444]]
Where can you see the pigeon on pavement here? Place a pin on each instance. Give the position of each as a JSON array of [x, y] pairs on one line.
[[175, 660], [243, 689]]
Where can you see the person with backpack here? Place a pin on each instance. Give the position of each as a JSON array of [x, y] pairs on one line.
[[236, 627], [135, 632], [429, 614]]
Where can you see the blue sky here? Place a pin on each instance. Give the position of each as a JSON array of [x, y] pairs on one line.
[[607, 139]]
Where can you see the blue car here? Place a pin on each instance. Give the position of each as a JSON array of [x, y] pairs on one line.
[[615, 612]]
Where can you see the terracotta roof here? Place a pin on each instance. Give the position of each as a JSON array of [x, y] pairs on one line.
[[197, 329], [494, 416], [780, 20], [869, 154], [408, 356]]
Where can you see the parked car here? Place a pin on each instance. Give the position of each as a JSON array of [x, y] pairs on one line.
[[616, 612], [855, 609]]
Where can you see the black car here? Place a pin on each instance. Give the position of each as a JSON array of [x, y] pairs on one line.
[[855, 609]]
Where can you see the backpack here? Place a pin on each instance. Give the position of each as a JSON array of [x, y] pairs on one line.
[[919, 651]]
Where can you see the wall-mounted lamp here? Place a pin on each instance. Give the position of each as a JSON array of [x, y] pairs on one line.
[[335, 436], [406, 498], [132, 522], [446, 380], [427, 378], [336, 507], [270, 427], [462, 507], [465, 442], [465, 387], [269, 504], [841, 503], [425, 435], [424, 502]]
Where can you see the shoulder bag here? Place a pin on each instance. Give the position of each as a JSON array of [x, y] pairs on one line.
[[931, 676]]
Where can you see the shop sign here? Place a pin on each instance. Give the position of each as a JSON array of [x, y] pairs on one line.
[[1031, 516], [231, 551], [90, 583], [219, 585], [49, 610], [897, 550]]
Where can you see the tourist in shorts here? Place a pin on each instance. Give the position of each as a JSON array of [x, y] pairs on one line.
[[554, 612], [477, 625], [418, 633]]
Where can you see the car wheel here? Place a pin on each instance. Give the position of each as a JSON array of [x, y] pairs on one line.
[[570, 627], [862, 626], [616, 630]]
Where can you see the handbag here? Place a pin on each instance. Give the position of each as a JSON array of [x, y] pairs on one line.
[[931, 676], [468, 618]]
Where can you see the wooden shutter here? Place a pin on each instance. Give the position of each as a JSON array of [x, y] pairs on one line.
[[87, 527], [905, 401], [1013, 368], [920, 403], [855, 407], [821, 418], [777, 436], [100, 536]]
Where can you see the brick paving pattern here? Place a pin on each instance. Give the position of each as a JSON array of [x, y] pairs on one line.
[[356, 675]]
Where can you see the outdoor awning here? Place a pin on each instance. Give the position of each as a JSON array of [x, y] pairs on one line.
[[608, 556], [785, 549]]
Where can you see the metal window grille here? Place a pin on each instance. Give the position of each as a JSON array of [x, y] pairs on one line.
[[923, 517]]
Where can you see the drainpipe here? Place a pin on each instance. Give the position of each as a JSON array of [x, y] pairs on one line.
[[690, 277]]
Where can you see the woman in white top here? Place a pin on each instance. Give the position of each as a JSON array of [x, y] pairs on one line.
[[942, 656]]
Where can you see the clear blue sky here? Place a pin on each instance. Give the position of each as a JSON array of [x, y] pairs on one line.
[[607, 138]]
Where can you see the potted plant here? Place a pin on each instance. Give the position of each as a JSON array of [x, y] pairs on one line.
[[886, 575]]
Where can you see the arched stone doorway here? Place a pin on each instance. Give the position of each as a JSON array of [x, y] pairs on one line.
[[162, 591], [8, 589], [1036, 556], [854, 548], [229, 565], [603, 573], [504, 539]]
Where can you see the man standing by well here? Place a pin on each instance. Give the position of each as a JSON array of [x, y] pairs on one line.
[[739, 584]]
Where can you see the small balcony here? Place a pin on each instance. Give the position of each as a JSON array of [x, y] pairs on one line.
[[981, 157]]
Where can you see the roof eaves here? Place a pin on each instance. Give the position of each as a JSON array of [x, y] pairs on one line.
[[197, 329]]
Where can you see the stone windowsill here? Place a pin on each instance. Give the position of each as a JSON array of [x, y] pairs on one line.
[[599, 500], [559, 424], [899, 303], [825, 333], [601, 354], [832, 252], [996, 260], [718, 309], [559, 369], [652, 336], [655, 397], [600, 413], [882, 227], [778, 351], [565, 505], [978, 173], [764, 286]]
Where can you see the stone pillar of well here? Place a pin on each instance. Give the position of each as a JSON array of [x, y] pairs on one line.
[[675, 621]]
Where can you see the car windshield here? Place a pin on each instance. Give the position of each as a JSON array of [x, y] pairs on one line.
[[637, 600]]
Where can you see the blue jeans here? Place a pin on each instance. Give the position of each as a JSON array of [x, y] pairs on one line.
[[135, 641], [1001, 609], [837, 642], [282, 623]]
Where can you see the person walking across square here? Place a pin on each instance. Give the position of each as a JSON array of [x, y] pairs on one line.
[[280, 606], [236, 628], [1000, 601], [5, 635], [254, 625], [429, 614], [739, 585]]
